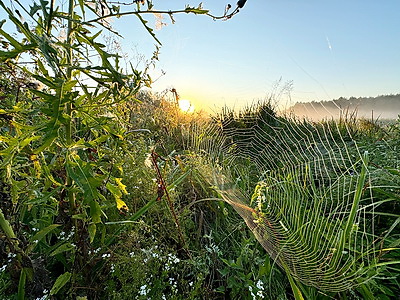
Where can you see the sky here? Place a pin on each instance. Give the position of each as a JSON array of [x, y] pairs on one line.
[[300, 51]]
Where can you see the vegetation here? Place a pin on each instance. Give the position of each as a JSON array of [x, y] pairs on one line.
[[100, 197]]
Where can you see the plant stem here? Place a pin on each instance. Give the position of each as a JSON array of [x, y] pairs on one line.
[[68, 129], [163, 188]]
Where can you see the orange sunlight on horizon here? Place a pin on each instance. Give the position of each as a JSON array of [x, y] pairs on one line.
[[185, 106]]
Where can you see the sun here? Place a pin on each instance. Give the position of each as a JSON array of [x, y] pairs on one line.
[[186, 106]]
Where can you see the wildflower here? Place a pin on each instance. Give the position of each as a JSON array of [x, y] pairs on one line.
[[172, 259], [251, 292], [143, 291], [260, 294], [45, 295], [260, 285]]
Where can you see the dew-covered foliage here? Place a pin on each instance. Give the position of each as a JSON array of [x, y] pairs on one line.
[[108, 191]]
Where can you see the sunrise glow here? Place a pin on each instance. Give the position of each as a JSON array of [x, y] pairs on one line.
[[186, 106]]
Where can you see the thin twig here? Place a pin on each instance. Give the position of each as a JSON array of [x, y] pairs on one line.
[[169, 12]]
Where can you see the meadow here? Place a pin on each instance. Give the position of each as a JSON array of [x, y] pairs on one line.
[[111, 192]]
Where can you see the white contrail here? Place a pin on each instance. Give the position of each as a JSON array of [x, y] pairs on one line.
[[329, 43]]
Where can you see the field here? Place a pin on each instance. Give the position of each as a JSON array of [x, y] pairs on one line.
[[111, 192]]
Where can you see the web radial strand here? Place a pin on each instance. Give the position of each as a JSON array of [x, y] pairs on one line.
[[304, 190]]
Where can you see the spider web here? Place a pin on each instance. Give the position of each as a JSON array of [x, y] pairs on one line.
[[304, 189]]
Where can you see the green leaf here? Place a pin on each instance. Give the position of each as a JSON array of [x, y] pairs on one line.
[[6, 227], [81, 172], [178, 181], [114, 190], [21, 285], [395, 243], [136, 216], [42, 233], [92, 231], [79, 216], [95, 211], [60, 282], [70, 84], [26, 141], [48, 139], [51, 83], [393, 171], [34, 9], [116, 8], [150, 30], [12, 41], [82, 6], [62, 248], [39, 236], [296, 291], [196, 11]]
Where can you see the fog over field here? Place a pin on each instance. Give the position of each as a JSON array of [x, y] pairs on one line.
[[380, 107]]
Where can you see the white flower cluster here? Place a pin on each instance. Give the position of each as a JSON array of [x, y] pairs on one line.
[[171, 260], [173, 284], [260, 286], [95, 251], [63, 236], [144, 290], [10, 257], [168, 261], [260, 293], [45, 295]]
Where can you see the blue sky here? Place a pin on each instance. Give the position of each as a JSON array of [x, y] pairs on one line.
[[327, 49]]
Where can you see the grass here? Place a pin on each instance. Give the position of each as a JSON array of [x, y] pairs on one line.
[[142, 253]]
